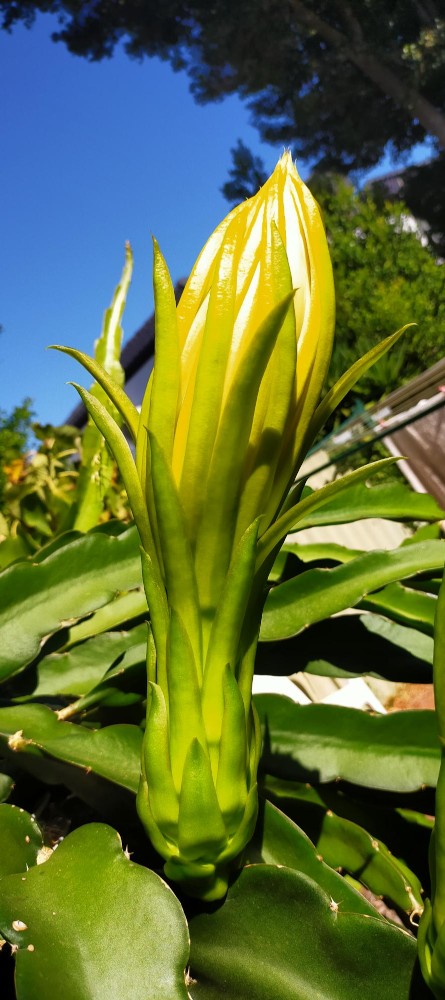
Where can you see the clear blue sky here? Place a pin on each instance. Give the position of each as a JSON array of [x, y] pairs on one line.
[[94, 154]]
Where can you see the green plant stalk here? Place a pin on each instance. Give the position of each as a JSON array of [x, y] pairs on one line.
[[431, 939], [97, 465]]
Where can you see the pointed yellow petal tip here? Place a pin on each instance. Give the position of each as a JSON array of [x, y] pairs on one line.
[[287, 165]]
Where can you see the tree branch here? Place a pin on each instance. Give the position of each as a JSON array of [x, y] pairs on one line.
[[405, 96], [356, 33], [427, 12]]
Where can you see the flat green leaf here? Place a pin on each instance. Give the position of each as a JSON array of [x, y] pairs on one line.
[[121, 611], [280, 841], [346, 845], [405, 606], [36, 599], [319, 743], [20, 840], [394, 501], [124, 684], [112, 753], [320, 593], [279, 935], [320, 551], [405, 832], [81, 668], [94, 925], [401, 604], [350, 646]]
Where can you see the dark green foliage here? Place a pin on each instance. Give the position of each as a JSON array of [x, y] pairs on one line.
[[298, 62], [421, 187], [15, 429], [42, 489], [88, 922], [247, 174], [385, 277]]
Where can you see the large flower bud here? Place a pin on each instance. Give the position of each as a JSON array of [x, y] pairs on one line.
[[239, 366], [238, 371]]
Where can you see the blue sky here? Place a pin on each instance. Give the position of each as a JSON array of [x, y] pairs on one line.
[[94, 154]]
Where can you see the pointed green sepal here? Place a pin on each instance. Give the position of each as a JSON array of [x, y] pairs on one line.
[[215, 537], [108, 345], [185, 710], [201, 880], [114, 391], [159, 615], [255, 744], [166, 374], [198, 439], [289, 520], [245, 829], [231, 787], [347, 382], [121, 451], [431, 951], [157, 765], [177, 556], [226, 630], [160, 843], [201, 829]]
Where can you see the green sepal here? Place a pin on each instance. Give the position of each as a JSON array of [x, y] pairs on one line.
[[108, 345], [275, 398], [255, 743], [289, 520], [202, 880], [97, 464], [433, 922], [160, 843], [114, 391], [142, 456], [439, 660], [166, 373], [178, 563], [345, 383], [185, 711], [159, 615], [424, 943], [210, 378], [231, 787], [215, 537], [245, 830], [201, 829], [431, 951], [156, 755], [121, 451], [226, 629], [151, 657]]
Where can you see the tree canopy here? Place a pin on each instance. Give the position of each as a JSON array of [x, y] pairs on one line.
[[336, 79], [385, 277]]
